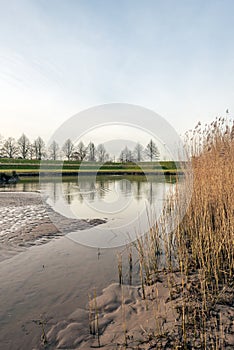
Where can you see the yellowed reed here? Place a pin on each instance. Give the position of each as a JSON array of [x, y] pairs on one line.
[[205, 236], [201, 246]]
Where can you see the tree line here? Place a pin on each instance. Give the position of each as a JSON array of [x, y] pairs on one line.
[[23, 148]]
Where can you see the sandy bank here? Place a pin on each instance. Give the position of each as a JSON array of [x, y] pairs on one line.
[[26, 220], [122, 318]]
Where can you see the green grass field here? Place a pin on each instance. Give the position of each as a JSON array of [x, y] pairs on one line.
[[34, 167]]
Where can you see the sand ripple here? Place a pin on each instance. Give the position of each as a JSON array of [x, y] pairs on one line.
[[26, 220]]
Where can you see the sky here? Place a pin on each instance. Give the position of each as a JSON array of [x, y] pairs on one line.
[[59, 57]]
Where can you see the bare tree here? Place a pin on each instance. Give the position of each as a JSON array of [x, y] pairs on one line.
[[1, 145], [23, 146], [91, 152], [103, 156], [81, 151], [107, 157], [138, 152], [68, 149], [130, 156], [39, 148], [122, 156], [126, 155], [152, 151], [31, 151], [54, 150], [10, 147]]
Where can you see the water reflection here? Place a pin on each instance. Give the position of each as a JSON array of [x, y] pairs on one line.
[[130, 204], [92, 188], [86, 192]]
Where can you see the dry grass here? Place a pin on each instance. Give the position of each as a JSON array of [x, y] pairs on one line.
[[201, 246], [207, 229]]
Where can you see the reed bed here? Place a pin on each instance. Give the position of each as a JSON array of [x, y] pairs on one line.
[[200, 248]]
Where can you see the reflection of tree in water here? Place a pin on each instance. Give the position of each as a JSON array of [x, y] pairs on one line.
[[67, 190], [152, 191], [90, 188], [144, 189], [92, 194], [80, 197], [87, 189], [103, 186], [125, 186], [93, 188], [137, 190], [52, 187]]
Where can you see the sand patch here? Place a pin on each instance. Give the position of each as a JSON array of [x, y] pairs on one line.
[[26, 220], [121, 318]]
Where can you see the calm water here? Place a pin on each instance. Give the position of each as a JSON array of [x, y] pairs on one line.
[[128, 204], [54, 279]]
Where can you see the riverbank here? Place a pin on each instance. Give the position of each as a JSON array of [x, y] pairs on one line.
[[44, 174], [25, 168], [128, 317]]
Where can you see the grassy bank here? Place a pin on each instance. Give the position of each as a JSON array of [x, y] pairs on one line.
[[34, 167]]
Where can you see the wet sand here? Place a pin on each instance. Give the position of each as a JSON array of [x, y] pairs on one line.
[[48, 282], [26, 220], [43, 280]]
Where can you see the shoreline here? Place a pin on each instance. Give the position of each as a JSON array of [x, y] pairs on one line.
[[26, 220], [95, 173], [123, 317]]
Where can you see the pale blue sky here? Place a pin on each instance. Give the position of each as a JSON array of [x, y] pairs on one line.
[[58, 57]]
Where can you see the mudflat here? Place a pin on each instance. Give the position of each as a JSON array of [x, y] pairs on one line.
[[43, 281], [27, 220]]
